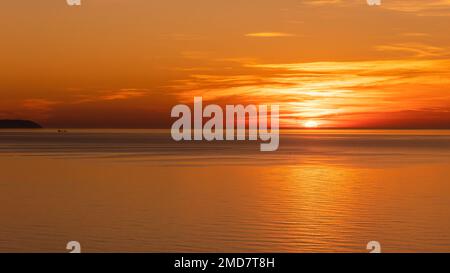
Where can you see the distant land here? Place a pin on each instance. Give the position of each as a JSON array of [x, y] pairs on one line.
[[17, 124]]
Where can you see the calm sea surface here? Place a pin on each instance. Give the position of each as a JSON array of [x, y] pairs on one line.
[[137, 190]]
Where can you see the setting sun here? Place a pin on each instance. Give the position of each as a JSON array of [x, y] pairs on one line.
[[311, 124]]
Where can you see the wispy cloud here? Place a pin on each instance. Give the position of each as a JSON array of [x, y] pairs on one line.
[[269, 35], [415, 34], [418, 7], [331, 92], [41, 109], [124, 94], [39, 104], [322, 2], [415, 49], [98, 96], [38, 108]]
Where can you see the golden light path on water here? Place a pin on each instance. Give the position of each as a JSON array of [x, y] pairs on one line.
[[323, 191]]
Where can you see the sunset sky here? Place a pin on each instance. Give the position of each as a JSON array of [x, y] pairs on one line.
[[126, 63]]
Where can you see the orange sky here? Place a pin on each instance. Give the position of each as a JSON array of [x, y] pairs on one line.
[[125, 63]]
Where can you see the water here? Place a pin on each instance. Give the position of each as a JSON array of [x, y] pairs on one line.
[[138, 191]]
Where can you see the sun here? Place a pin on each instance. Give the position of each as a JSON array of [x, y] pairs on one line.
[[311, 124]]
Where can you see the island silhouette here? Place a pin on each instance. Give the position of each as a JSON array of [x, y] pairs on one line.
[[18, 124]]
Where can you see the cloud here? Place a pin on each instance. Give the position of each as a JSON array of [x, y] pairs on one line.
[[330, 92], [415, 49], [43, 109], [322, 2], [415, 34], [39, 104], [269, 35], [418, 7], [122, 94], [196, 55], [38, 108]]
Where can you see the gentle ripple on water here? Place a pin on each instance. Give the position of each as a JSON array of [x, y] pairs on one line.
[[323, 191]]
